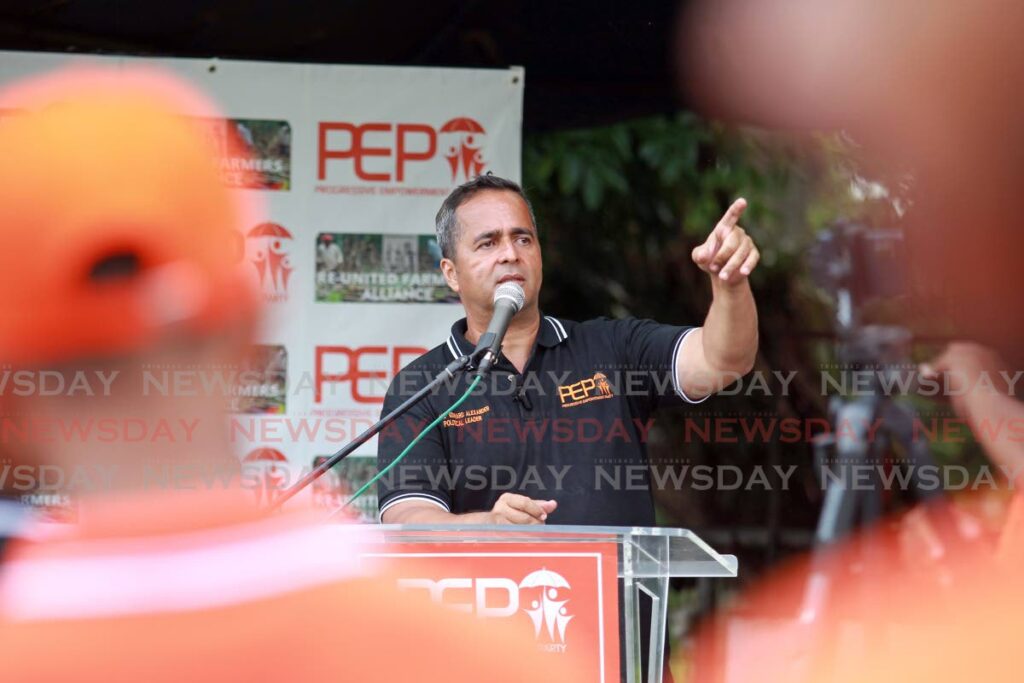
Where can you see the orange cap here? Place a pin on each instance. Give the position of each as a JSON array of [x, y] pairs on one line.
[[114, 223]]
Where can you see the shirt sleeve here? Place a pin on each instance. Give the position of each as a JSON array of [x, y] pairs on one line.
[[652, 348], [419, 475]]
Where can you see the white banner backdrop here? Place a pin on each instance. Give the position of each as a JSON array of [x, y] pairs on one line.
[[352, 163]]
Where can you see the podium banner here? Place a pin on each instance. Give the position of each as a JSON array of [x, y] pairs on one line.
[[565, 595]]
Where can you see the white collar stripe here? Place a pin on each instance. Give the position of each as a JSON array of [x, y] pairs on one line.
[[559, 329]]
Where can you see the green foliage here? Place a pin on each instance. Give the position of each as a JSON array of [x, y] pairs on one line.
[[644, 193]]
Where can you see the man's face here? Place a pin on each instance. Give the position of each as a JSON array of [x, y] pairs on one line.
[[496, 242]]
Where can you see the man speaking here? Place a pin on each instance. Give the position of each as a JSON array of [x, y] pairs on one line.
[[566, 406]]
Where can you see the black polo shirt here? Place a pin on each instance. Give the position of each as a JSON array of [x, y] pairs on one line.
[[572, 427]]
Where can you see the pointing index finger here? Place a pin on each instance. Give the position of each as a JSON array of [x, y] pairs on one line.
[[733, 213]]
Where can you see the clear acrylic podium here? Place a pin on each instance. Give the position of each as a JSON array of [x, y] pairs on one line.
[[647, 558]]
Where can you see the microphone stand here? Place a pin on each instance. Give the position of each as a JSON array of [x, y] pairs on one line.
[[447, 374]]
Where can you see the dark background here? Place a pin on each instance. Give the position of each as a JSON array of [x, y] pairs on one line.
[[587, 63]]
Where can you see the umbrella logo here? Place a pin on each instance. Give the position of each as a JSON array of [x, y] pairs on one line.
[[268, 250], [462, 139], [273, 478], [548, 614]]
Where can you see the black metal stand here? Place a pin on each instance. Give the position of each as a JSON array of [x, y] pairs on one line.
[[872, 424], [848, 507]]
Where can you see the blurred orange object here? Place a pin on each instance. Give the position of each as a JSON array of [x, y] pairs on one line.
[[868, 611], [162, 591], [115, 222], [927, 88]]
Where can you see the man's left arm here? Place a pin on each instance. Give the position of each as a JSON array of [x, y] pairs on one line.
[[717, 354]]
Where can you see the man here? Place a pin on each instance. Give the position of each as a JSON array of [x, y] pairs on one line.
[[328, 253], [566, 408], [118, 260]]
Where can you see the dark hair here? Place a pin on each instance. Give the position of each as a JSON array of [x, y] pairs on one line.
[[446, 223]]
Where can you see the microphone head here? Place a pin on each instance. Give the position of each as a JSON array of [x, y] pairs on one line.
[[511, 291]]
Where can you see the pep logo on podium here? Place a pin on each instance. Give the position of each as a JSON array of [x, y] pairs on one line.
[[559, 596], [550, 616], [541, 595]]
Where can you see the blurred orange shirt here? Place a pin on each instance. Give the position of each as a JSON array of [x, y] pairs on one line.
[[160, 591]]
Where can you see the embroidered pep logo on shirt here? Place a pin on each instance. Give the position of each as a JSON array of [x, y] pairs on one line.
[[589, 389]]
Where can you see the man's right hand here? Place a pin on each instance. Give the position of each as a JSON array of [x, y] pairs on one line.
[[513, 508]]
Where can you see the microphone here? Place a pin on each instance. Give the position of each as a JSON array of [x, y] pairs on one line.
[[509, 298]]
